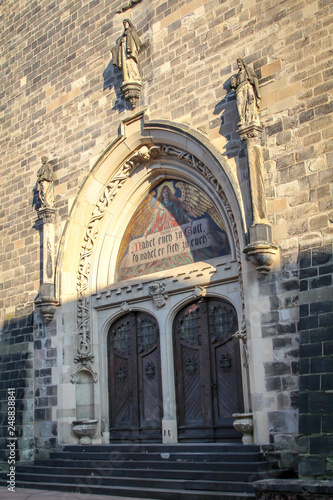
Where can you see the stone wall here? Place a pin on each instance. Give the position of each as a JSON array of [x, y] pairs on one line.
[[60, 96], [16, 361], [316, 362]]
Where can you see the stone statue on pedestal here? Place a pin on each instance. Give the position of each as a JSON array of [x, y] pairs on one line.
[[247, 94], [45, 180], [125, 57]]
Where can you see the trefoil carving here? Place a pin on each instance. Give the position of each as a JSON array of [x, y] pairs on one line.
[[84, 367]]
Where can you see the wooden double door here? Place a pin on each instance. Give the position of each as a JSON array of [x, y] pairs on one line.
[[207, 371], [135, 379], [207, 374]]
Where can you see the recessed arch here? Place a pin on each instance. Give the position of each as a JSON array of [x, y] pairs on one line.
[[144, 154], [108, 247], [77, 250]]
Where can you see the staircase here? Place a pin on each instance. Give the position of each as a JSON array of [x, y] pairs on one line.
[[153, 471]]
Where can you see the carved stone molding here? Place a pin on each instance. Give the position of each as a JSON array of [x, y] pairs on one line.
[[261, 250], [83, 315], [46, 215], [158, 294], [83, 328], [47, 306], [250, 132]]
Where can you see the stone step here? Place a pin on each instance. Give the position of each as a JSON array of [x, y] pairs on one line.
[[166, 448], [162, 465], [162, 472], [140, 483], [190, 456], [241, 475], [149, 493]]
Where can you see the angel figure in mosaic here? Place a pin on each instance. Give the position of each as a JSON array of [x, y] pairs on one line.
[[176, 224]]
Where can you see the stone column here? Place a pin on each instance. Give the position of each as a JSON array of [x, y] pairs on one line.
[[169, 421], [46, 300], [261, 250]]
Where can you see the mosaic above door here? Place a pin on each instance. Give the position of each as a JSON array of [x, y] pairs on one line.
[[176, 224]]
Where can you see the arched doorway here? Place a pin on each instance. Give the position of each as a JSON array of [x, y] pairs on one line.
[[135, 379], [207, 371]]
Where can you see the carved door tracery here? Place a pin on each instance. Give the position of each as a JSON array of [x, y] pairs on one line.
[[134, 378], [207, 368]]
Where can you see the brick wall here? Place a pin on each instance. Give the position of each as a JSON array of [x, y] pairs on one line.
[[60, 96], [316, 362], [16, 361]]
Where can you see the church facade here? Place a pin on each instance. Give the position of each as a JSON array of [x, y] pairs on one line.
[[166, 223]]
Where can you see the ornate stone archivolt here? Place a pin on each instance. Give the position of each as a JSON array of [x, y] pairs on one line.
[[83, 317], [144, 154]]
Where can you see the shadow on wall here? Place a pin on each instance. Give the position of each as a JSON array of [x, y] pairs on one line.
[[229, 118], [16, 382], [113, 79]]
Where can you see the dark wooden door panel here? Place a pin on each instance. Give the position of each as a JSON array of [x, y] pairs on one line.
[[150, 392], [122, 398], [226, 393], [191, 381], [135, 378], [207, 368]]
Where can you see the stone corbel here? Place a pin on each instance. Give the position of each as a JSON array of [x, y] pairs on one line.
[[261, 252], [132, 91]]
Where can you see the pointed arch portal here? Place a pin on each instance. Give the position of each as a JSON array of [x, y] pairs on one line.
[[157, 180]]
